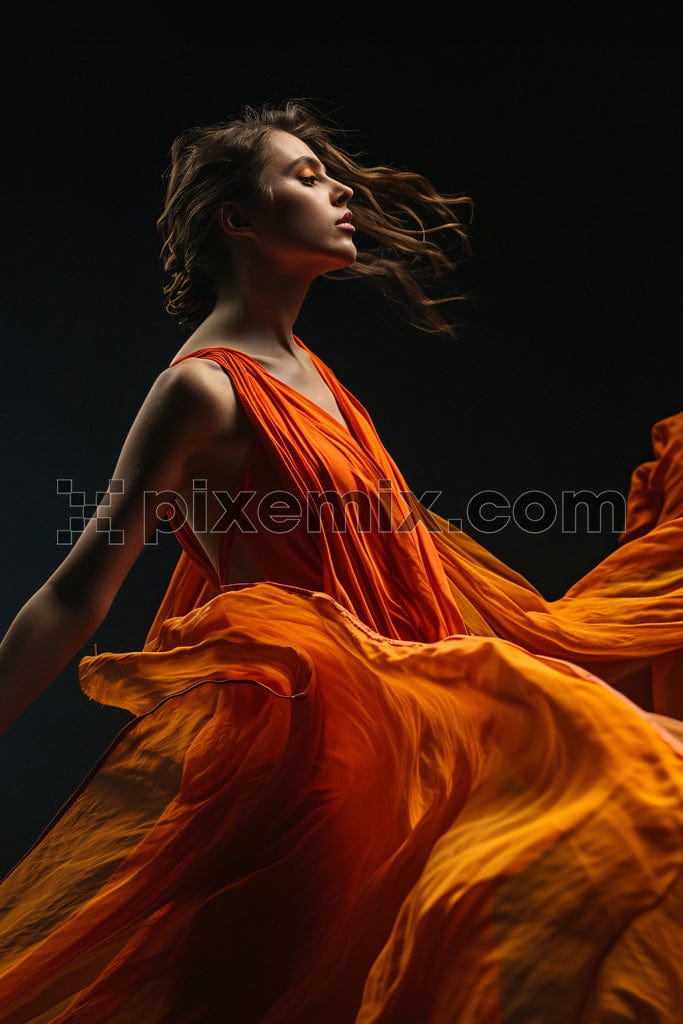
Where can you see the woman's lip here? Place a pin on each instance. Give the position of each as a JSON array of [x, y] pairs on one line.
[[346, 225]]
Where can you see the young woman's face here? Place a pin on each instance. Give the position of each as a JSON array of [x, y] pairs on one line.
[[304, 222]]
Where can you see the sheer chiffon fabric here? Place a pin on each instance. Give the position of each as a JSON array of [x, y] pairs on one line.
[[384, 785]]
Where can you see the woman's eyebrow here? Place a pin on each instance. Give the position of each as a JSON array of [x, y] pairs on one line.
[[310, 160]]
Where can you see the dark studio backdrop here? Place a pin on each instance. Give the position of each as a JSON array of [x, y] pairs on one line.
[[569, 347]]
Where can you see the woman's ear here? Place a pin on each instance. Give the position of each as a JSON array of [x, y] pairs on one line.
[[234, 221]]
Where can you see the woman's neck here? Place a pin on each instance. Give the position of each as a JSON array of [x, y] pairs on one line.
[[259, 313]]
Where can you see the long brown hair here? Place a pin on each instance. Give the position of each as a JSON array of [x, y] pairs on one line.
[[410, 225]]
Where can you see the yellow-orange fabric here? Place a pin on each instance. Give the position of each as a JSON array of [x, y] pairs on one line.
[[379, 787]]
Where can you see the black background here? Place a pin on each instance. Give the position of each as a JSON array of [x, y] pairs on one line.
[[569, 349]]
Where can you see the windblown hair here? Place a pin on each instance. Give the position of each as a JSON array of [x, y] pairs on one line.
[[400, 213]]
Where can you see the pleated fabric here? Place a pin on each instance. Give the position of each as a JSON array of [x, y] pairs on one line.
[[385, 784]]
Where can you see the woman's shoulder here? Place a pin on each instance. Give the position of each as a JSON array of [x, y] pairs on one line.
[[190, 392]]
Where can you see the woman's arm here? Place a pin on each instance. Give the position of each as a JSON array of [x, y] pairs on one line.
[[190, 408]]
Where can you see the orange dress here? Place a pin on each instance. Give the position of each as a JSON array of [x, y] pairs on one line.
[[379, 787]]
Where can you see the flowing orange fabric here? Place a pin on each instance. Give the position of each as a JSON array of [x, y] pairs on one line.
[[382, 785]]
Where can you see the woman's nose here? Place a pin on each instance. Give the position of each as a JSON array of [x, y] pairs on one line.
[[342, 193]]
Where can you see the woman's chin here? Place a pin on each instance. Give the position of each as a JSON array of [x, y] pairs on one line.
[[348, 258], [338, 260]]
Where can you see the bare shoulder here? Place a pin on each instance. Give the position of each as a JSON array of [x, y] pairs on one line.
[[196, 380], [196, 388]]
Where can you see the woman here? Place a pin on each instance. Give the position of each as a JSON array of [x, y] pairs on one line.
[[369, 775]]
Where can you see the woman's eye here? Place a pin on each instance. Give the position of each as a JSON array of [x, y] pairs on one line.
[[309, 180]]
